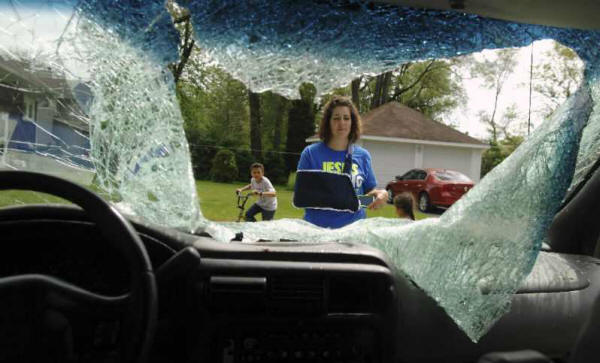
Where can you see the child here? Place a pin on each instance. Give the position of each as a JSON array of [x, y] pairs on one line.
[[261, 186], [404, 205]]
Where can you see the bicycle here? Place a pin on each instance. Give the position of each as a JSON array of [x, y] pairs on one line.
[[242, 199]]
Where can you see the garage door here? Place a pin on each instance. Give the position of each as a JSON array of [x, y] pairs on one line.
[[448, 158], [390, 159]]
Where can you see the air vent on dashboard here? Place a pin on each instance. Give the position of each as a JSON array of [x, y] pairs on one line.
[[296, 294], [353, 294], [237, 293]]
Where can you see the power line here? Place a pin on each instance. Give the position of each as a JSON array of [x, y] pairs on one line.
[[241, 149]]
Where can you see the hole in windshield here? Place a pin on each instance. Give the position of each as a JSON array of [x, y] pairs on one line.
[[154, 105]]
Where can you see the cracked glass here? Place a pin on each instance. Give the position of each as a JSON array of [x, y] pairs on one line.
[[86, 94]]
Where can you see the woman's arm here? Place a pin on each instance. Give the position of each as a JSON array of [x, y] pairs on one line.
[[381, 196]]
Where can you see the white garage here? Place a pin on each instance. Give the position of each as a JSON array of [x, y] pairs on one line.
[[400, 138]]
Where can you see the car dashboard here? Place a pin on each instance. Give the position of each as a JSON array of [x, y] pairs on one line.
[[285, 301], [266, 302]]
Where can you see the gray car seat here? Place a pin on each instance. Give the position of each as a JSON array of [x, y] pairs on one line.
[[576, 230], [586, 350]]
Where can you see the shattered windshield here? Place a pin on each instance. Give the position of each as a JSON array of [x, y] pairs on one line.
[[90, 91]]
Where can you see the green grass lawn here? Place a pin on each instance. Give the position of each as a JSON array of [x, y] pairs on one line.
[[17, 197], [219, 203], [217, 200]]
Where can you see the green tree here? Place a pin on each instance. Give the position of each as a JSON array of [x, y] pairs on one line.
[[274, 111], [431, 87], [244, 159], [215, 112], [255, 125], [502, 126], [224, 168], [275, 168], [274, 120], [301, 124], [499, 151], [556, 77], [219, 107], [183, 23], [494, 72]]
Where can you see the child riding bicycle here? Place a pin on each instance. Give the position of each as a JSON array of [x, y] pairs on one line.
[[261, 187]]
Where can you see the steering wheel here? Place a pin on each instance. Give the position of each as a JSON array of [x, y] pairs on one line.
[[139, 315]]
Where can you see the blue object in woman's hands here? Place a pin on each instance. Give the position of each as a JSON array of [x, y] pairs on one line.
[[366, 200]]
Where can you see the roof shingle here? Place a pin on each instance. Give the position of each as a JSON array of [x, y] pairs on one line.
[[395, 120]]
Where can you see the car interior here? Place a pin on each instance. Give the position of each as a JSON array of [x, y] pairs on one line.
[[190, 298], [83, 282]]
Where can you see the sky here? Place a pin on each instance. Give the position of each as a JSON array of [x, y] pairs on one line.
[[516, 90], [32, 25]]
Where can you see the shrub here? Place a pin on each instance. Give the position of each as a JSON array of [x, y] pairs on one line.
[[275, 168], [291, 181], [244, 159], [202, 152], [224, 168]]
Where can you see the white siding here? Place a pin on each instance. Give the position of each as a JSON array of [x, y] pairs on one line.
[[476, 164], [459, 159], [45, 115], [390, 159], [7, 126]]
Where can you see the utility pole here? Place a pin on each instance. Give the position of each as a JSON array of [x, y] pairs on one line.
[[530, 87]]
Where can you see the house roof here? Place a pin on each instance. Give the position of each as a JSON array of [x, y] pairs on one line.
[[394, 120], [36, 80], [23, 76]]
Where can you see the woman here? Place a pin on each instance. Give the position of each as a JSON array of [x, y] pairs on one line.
[[339, 129]]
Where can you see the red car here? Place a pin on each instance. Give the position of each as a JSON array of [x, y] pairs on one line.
[[431, 187]]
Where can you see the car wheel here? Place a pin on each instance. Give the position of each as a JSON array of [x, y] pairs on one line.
[[424, 204], [390, 195]]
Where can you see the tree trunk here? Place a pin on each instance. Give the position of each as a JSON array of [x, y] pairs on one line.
[[255, 127], [385, 89], [301, 125], [375, 99], [492, 119], [382, 89], [355, 93], [280, 110], [186, 46]]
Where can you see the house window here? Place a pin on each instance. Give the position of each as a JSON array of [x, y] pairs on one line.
[[29, 113], [44, 103]]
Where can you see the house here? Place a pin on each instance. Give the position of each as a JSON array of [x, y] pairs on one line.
[[43, 125], [400, 138]]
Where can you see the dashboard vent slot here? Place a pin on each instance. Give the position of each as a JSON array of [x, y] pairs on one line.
[[353, 294], [237, 293], [296, 294]]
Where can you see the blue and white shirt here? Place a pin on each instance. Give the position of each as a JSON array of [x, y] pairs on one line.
[[319, 156]]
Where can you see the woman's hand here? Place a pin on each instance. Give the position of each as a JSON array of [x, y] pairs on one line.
[[381, 197]]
